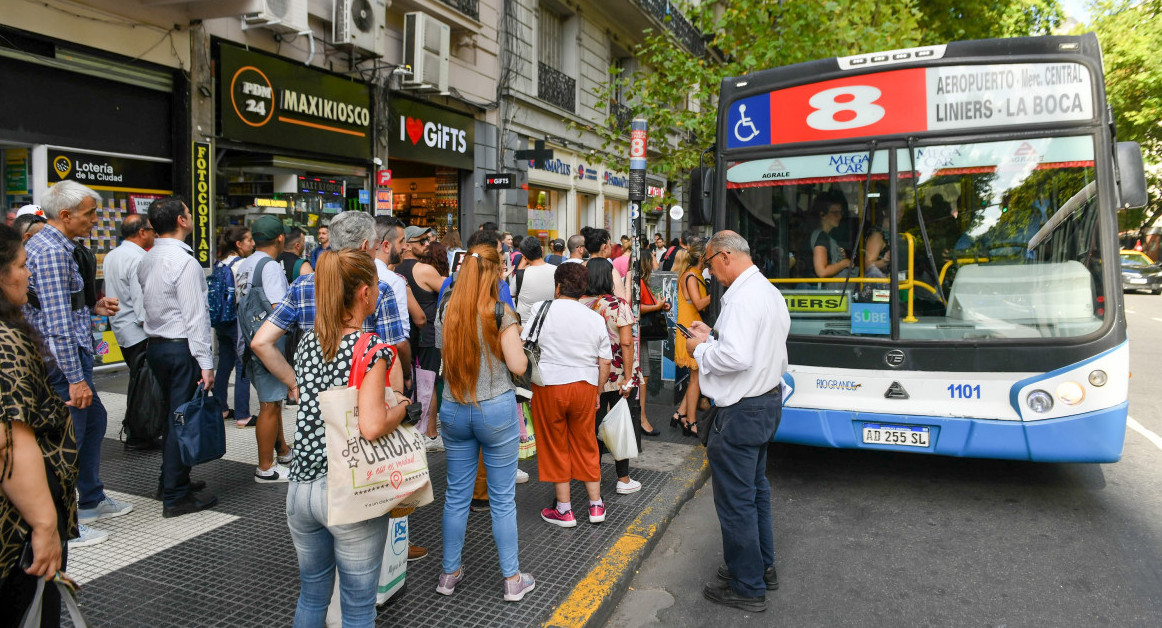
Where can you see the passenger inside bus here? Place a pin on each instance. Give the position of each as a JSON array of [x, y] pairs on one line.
[[830, 260], [877, 252]]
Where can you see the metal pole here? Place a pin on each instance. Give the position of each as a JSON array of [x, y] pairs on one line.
[[638, 138]]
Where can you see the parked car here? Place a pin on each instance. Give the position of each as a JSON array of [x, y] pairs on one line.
[[1139, 272]]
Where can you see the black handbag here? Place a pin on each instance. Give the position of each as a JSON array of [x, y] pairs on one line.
[[653, 326], [532, 348], [705, 423]]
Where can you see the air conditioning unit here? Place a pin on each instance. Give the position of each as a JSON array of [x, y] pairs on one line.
[[426, 48], [283, 16], [360, 23]]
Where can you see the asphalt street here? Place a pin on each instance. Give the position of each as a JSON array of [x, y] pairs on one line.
[[892, 539]]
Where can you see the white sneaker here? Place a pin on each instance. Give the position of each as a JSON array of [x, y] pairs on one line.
[[107, 508], [88, 536], [435, 444], [521, 477], [285, 460], [625, 488], [276, 473]]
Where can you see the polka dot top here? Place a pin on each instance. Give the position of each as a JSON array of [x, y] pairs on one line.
[[314, 376]]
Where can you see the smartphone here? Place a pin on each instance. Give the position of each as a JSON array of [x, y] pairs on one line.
[[682, 329]]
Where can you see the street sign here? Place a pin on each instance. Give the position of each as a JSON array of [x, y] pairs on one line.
[[676, 212], [538, 155], [383, 178], [499, 181], [634, 210]]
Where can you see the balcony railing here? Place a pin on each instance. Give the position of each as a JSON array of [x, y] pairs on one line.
[[668, 14], [556, 87], [622, 116], [467, 7]]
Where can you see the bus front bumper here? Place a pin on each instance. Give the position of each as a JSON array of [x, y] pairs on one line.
[[1093, 437]]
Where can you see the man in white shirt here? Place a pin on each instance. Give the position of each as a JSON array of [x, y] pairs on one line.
[[262, 267], [120, 268], [741, 365], [177, 322]]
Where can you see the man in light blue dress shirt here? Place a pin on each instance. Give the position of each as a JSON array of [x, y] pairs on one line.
[[120, 267]]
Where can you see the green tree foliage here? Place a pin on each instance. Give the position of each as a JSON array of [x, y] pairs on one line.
[[1130, 32], [677, 92]]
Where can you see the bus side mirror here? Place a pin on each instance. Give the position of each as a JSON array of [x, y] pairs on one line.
[[701, 196], [1131, 176]]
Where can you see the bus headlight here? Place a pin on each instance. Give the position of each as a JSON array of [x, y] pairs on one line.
[[1070, 393], [1098, 378], [1039, 401]]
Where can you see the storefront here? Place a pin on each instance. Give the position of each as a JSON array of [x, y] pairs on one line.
[[89, 117], [294, 141], [432, 151]]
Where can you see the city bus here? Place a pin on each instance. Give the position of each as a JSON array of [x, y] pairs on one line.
[[942, 222]]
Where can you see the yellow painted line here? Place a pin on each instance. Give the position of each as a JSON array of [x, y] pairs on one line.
[[598, 584]]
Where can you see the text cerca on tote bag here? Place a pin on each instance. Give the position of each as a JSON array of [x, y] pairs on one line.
[[366, 479]]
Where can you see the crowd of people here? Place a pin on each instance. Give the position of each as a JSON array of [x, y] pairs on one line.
[[452, 317]]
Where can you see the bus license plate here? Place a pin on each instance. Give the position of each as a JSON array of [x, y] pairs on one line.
[[909, 436]]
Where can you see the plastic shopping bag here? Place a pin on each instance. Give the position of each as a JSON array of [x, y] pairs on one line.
[[617, 432]]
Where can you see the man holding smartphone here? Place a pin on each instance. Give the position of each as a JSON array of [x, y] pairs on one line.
[[741, 365]]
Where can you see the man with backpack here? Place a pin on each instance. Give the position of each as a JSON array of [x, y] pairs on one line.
[[121, 283], [262, 282], [293, 263]]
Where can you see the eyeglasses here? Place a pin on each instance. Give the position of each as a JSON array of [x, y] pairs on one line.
[[716, 254], [422, 241]]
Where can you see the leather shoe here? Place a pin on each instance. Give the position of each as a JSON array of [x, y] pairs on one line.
[[195, 486], [769, 576], [415, 552], [189, 504], [724, 595]]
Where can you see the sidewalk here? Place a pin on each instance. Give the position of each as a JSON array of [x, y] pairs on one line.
[[235, 565]]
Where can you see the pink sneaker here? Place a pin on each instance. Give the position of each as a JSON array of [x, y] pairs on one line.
[[562, 519], [448, 582], [597, 513], [515, 591]]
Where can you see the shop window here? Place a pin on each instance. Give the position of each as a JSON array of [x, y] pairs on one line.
[[542, 222]]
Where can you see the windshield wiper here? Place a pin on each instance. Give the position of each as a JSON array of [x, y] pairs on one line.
[[857, 241], [920, 217]]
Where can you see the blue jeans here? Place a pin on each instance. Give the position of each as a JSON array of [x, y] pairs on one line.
[[89, 427], [356, 549], [467, 429], [737, 450], [228, 360]]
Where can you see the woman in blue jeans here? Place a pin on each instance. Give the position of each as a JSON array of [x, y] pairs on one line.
[[479, 414], [346, 290], [234, 245]]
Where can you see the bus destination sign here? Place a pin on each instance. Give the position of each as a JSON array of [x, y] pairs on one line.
[[887, 103]]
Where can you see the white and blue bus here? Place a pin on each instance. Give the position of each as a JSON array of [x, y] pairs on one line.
[[942, 222]]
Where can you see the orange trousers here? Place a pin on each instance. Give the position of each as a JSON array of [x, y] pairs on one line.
[[563, 418]]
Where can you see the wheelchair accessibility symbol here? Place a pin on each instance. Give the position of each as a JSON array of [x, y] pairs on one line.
[[744, 125]]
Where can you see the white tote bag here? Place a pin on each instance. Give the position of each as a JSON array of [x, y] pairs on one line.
[[366, 479], [617, 432]]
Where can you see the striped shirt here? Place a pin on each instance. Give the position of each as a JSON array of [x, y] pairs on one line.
[[297, 310], [55, 277], [175, 304]]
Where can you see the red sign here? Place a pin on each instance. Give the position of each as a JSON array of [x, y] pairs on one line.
[[873, 104], [384, 178], [637, 144]]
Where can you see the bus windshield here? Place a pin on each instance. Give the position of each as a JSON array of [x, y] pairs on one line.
[[1013, 247]]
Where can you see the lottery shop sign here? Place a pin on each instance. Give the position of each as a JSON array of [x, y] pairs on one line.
[[419, 132], [268, 100], [915, 100]]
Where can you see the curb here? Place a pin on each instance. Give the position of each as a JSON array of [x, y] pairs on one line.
[[595, 596]]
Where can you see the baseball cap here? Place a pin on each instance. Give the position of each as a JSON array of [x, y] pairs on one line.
[[414, 232], [267, 228], [558, 244], [33, 210]]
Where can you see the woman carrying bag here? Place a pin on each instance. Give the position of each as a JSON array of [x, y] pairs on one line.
[[624, 375], [38, 456], [652, 311], [346, 290], [479, 415]]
